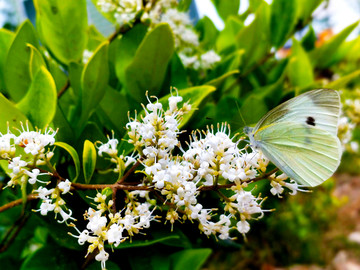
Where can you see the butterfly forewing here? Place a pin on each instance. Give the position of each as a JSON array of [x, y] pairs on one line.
[[319, 108], [307, 154]]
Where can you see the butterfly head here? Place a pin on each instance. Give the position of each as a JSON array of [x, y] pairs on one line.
[[249, 132]]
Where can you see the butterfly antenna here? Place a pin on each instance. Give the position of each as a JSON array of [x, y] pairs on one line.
[[242, 118]]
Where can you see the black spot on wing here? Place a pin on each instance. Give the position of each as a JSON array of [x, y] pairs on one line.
[[310, 121]]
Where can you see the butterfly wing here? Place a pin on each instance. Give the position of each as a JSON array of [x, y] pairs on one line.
[[307, 154], [320, 108]]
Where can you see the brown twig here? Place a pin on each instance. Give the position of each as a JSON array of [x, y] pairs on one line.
[[19, 224], [64, 88], [17, 202], [225, 186]]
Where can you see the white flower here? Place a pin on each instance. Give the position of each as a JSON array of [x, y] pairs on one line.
[[34, 142], [86, 56], [6, 147], [209, 59], [33, 175], [114, 234], [65, 215], [96, 221], [243, 226], [64, 186], [109, 147], [16, 165], [43, 192], [46, 206], [102, 257]]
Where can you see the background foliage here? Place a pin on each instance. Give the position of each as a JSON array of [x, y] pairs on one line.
[[45, 79]]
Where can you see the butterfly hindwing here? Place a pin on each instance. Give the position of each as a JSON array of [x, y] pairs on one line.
[[319, 108], [306, 153]]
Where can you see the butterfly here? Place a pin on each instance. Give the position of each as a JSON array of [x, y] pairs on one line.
[[300, 136]]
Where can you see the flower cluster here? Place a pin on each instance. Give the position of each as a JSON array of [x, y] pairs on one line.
[[25, 153], [349, 120], [163, 11], [106, 226]]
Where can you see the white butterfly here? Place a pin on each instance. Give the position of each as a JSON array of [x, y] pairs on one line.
[[300, 136]]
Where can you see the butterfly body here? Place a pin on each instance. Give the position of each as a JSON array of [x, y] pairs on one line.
[[300, 136]]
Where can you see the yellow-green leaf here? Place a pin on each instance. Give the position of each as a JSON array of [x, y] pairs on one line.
[[89, 160], [62, 27], [17, 74], [39, 104], [74, 156]]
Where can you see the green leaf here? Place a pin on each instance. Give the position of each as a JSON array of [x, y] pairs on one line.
[[299, 70], [94, 80], [39, 104], [193, 94], [178, 75], [17, 74], [126, 49], [9, 113], [6, 38], [226, 8], [217, 82], [89, 160], [254, 38], [343, 81], [208, 33], [322, 56], [74, 156], [184, 5], [62, 27], [305, 10], [282, 22], [309, 39], [148, 69], [190, 258], [253, 108], [226, 38], [49, 256], [115, 106], [36, 61]]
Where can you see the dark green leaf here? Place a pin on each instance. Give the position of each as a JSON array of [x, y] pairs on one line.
[[148, 69], [74, 156], [39, 104], [89, 160], [309, 39], [190, 258], [115, 106], [17, 74], [62, 27], [48, 256], [283, 19]]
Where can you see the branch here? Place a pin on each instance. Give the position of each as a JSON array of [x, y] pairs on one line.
[[64, 88], [17, 202], [216, 187]]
